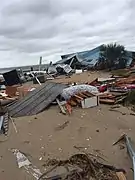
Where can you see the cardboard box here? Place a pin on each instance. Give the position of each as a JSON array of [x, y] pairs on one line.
[[90, 102], [24, 90], [11, 91]]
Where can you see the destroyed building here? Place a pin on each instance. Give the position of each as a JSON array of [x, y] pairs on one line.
[[89, 59]]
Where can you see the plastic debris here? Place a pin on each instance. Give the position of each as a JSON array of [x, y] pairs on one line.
[[23, 161]]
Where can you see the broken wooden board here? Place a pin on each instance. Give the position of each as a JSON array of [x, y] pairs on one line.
[[121, 175], [60, 106], [69, 108], [107, 101], [78, 97], [37, 100]]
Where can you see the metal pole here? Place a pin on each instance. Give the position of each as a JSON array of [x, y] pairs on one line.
[[131, 152], [40, 63]]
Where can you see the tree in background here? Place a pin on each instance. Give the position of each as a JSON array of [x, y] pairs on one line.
[[112, 56]]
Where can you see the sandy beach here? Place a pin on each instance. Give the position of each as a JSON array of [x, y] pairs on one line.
[[94, 129]]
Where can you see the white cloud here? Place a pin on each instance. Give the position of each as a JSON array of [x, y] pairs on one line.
[[49, 28]]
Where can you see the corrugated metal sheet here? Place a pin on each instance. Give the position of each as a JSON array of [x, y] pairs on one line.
[[84, 54], [91, 57], [37, 100], [64, 60], [86, 58]]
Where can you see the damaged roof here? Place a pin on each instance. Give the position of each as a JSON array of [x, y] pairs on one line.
[[90, 57], [86, 58], [37, 100]]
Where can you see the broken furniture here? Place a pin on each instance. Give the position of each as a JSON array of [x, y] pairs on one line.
[[12, 78], [90, 102]]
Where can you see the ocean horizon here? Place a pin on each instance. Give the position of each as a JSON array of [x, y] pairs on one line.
[[24, 68]]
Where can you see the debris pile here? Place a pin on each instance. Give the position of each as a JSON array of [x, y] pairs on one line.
[[82, 166], [112, 97], [104, 91], [110, 90], [81, 95], [27, 100], [114, 90], [18, 99]]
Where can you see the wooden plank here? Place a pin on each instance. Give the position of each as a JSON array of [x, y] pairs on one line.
[[107, 101], [121, 175], [81, 94], [87, 94], [69, 108], [78, 97], [72, 102], [60, 106]]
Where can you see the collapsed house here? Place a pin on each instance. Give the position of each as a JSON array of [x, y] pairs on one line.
[[89, 59]]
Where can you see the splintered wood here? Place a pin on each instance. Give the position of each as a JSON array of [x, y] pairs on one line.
[[83, 167]]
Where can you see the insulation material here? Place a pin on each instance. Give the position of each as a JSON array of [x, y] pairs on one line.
[[71, 91]]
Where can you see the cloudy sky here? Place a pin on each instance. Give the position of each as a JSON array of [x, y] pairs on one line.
[[49, 28]]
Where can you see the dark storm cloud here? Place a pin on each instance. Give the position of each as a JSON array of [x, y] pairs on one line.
[[50, 7], [49, 28]]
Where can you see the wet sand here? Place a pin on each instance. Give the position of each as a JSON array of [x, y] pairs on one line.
[[95, 129]]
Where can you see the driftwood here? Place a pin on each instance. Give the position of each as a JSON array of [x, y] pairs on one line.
[[61, 127]]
